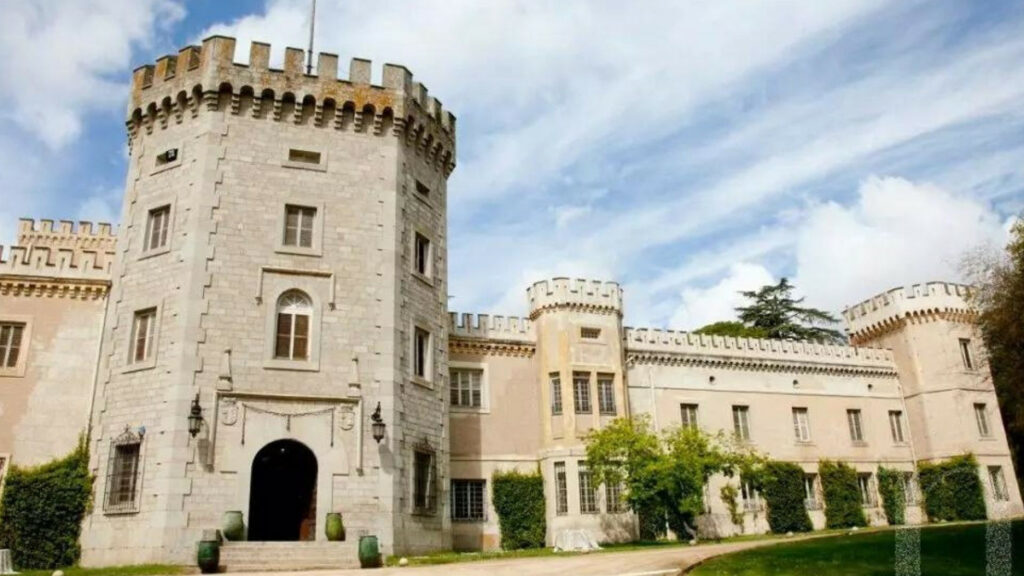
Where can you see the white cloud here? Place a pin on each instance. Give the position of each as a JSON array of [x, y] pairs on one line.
[[896, 233], [701, 306]]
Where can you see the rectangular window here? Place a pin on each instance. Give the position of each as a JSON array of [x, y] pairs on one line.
[[156, 228], [143, 328], [468, 500], [613, 498], [581, 392], [122, 494], [751, 497], [561, 490], [423, 481], [10, 344], [606, 393], [965, 353], [867, 492], [688, 413], [298, 226], [556, 393], [588, 494], [421, 353], [422, 189], [811, 501], [999, 491], [910, 488], [801, 425], [856, 429], [741, 422], [465, 387], [981, 416], [422, 255], [896, 426], [303, 156], [590, 333]]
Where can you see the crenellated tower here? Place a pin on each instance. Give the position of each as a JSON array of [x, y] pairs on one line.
[[282, 267]]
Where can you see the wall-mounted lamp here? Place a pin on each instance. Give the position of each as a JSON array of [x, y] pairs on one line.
[[378, 424], [195, 417]]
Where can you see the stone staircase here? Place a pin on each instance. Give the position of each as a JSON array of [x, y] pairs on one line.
[[268, 556]]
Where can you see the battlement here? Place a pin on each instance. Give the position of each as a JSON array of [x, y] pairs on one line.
[[587, 295], [208, 74], [60, 263], [648, 340], [490, 327], [919, 299], [66, 234]]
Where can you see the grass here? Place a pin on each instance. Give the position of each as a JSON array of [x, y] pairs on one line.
[[957, 550], [142, 570]]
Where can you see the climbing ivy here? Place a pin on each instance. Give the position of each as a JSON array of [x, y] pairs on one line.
[[783, 487], [952, 489], [842, 495], [519, 502], [894, 499]]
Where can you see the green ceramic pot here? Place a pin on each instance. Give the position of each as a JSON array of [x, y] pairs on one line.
[[208, 556], [369, 552], [233, 528], [335, 527]]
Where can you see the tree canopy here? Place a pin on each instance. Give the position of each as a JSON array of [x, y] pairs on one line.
[[773, 312]]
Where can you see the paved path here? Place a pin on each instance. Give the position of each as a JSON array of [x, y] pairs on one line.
[[662, 561]]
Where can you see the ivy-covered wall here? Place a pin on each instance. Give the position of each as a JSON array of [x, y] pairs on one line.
[[519, 502], [42, 509], [783, 488], [894, 498], [842, 495], [952, 489]]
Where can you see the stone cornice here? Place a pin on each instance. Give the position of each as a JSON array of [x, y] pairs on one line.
[[893, 323], [43, 287], [753, 364], [487, 347]]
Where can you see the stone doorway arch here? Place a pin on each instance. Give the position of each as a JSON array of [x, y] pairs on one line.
[[282, 496]]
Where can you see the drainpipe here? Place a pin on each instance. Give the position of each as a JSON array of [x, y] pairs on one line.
[[96, 365]]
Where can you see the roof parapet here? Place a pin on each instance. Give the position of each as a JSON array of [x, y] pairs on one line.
[[82, 235], [64, 263], [490, 327], [887, 307], [581, 294]]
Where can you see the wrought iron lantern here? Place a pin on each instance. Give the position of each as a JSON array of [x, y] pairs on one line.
[[378, 425], [195, 417]]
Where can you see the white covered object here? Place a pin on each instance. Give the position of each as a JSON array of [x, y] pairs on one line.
[[6, 566], [575, 541]]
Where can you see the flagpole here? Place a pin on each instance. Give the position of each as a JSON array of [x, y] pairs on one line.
[[312, 26]]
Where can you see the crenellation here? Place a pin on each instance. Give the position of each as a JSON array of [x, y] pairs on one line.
[[469, 325], [888, 308], [574, 293], [53, 262], [66, 234]]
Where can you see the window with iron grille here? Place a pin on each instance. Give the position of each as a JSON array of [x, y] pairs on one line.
[[561, 490], [590, 333], [556, 393], [10, 344], [588, 494], [581, 392], [613, 498], [688, 413], [143, 331], [468, 500], [123, 474], [156, 228], [856, 426], [423, 482], [465, 387], [298, 226], [606, 393]]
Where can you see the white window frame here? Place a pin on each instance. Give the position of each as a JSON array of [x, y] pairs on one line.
[[802, 426], [689, 415], [293, 311], [855, 423], [741, 422], [588, 492], [427, 377], [613, 503], [464, 498], [24, 346], [317, 236], [750, 497], [606, 404], [982, 420], [464, 367], [152, 341], [164, 246], [896, 427], [142, 223], [282, 285]]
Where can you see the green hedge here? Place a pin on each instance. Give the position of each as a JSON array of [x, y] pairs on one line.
[[894, 499], [783, 488], [952, 489], [842, 495], [42, 509], [519, 502]]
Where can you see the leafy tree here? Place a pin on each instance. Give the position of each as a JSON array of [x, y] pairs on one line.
[[774, 311], [998, 294], [732, 328], [663, 476]]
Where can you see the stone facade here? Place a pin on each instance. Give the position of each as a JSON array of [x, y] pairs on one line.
[[261, 200]]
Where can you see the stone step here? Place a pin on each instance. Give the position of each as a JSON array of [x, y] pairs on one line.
[[271, 556]]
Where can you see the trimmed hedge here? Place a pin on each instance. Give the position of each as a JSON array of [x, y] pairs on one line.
[[894, 499], [952, 489], [783, 488], [42, 509], [519, 502], [842, 495]]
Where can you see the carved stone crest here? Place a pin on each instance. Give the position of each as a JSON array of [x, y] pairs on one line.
[[229, 412], [346, 417]]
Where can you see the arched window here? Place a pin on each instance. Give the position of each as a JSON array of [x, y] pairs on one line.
[[294, 313]]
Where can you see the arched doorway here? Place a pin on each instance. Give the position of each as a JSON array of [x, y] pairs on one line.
[[282, 497]]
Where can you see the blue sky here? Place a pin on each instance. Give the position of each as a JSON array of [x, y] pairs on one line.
[[687, 150]]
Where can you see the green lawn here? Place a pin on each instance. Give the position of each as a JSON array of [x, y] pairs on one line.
[[145, 570], [946, 550]]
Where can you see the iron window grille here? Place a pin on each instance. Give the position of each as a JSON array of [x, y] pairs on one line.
[[606, 393], [124, 476], [424, 477], [588, 494], [561, 490], [581, 392], [556, 393], [613, 497], [468, 500]]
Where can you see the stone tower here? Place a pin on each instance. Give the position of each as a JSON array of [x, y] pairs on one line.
[[947, 388], [282, 267]]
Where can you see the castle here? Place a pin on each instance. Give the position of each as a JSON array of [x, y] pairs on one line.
[[278, 285]]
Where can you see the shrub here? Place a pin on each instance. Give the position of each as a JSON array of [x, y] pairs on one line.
[[952, 489], [519, 502], [783, 488], [894, 499], [42, 510], [842, 495], [729, 494]]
